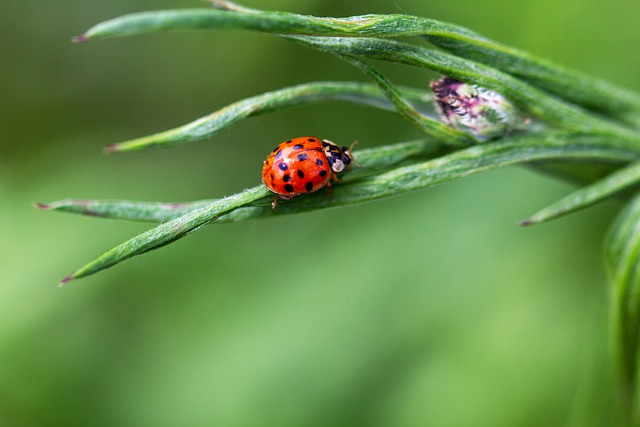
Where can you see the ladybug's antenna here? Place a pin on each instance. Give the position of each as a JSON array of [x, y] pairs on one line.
[[353, 160]]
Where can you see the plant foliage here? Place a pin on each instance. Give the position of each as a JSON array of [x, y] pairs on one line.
[[574, 123]]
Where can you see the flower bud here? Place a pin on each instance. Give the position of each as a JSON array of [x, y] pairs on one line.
[[482, 112]]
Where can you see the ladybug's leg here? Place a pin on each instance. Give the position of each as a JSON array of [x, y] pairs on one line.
[[334, 178], [328, 191], [281, 196], [327, 187]]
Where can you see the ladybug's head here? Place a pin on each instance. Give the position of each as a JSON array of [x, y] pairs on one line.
[[339, 157]]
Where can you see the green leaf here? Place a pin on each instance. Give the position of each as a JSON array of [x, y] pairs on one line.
[[578, 88], [429, 126], [589, 195], [208, 126], [571, 85], [622, 253], [595, 94], [168, 232], [399, 180], [269, 22], [523, 96], [374, 160], [127, 209]]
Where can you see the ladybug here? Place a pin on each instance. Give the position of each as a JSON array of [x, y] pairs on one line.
[[303, 165]]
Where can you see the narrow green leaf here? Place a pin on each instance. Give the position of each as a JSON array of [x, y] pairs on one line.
[[568, 84], [622, 253], [589, 195], [126, 209], [479, 158], [373, 160], [523, 96], [269, 22], [594, 94], [315, 92], [429, 126], [284, 23], [168, 232]]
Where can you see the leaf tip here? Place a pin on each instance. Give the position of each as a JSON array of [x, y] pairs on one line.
[[42, 206], [66, 280], [111, 148], [80, 39], [527, 222]]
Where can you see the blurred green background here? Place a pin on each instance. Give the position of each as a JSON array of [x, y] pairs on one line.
[[430, 309]]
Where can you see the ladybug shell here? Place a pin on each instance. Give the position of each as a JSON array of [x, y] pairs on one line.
[[297, 166]]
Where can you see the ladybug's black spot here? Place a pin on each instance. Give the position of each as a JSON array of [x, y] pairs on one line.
[[318, 162], [302, 156], [323, 172], [308, 186], [272, 177], [311, 139], [288, 188], [300, 173], [283, 166], [298, 147], [278, 154], [289, 141], [286, 178]]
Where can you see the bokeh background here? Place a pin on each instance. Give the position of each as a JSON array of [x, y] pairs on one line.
[[430, 309]]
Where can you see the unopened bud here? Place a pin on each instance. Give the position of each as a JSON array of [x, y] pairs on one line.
[[482, 112]]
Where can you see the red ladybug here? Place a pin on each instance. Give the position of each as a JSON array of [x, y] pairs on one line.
[[303, 165]]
